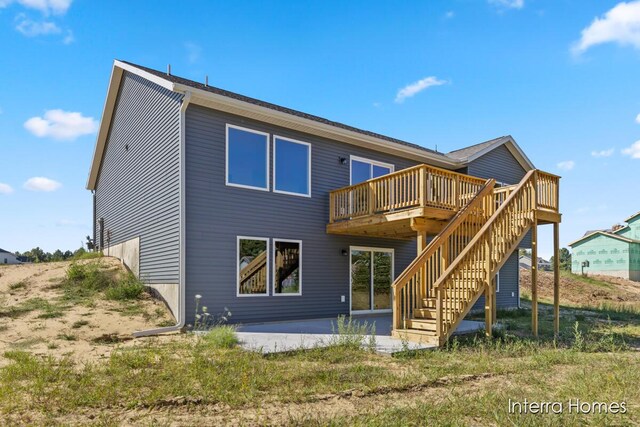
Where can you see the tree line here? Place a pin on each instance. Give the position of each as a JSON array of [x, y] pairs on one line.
[[38, 255]]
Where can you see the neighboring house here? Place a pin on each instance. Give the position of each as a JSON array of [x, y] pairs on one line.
[[543, 264], [7, 257], [260, 209], [613, 252]]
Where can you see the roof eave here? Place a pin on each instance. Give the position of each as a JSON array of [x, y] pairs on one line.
[[512, 146], [611, 235]]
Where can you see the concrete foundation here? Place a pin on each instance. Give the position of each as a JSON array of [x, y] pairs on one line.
[[129, 254]]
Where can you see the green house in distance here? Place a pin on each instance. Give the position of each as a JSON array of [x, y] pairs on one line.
[[614, 252]]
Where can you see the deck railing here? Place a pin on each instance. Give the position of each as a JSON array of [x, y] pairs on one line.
[[418, 186], [547, 190]]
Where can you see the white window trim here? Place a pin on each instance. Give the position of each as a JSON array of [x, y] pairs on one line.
[[371, 163], [498, 281], [275, 185], [393, 276], [238, 294], [226, 152], [273, 278]]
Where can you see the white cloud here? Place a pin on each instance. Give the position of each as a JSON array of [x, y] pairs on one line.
[[633, 151], [193, 52], [507, 4], [57, 7], [637, 119], [417, 87], [39, 183], [603, 153], [5, 188], [69, 38], [62, 125], [567, 165], [619, 25], [32, 28], [450, 14]]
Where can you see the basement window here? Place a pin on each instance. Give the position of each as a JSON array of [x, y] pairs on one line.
[[247, 160], [287, 267], [291, 167], [252, 266]]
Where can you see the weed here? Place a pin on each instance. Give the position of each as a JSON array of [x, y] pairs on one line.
[[223, 336], [19, 285], [79, 324], [67, 337], [127, 288]]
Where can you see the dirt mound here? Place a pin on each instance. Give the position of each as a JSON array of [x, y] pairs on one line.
[[584, 291], [37, 316]]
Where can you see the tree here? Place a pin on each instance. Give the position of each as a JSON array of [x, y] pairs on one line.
[[57, 256], [565, 259]]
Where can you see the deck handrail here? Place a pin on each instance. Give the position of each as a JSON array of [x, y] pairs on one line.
[[484, 255], [417, 186], [417, 280]]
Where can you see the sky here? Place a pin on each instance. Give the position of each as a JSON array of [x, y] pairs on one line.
[[560, 76]]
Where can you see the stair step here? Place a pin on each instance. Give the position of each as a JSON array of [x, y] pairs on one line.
[[417, 336], [428, 313], [422, 324]]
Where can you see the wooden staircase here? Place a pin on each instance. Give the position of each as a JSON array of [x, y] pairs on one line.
[[439, 288]]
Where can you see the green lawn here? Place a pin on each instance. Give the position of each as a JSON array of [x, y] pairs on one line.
[[470, 382]]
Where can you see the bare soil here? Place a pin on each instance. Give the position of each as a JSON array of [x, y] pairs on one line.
[[592, 291], [85, 332]]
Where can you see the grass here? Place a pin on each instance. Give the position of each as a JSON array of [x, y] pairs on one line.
[[22, 284], [79, 324], [221, 337], [468, 382]]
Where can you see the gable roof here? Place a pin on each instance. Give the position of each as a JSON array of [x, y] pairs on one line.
[[2, 251], [605, 234], [238, 104], [632, 217]]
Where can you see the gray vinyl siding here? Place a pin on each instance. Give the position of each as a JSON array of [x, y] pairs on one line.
[[216, 214], [137, 191], [500, 165]]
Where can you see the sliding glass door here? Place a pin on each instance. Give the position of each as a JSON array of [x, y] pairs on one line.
[[371, 279]]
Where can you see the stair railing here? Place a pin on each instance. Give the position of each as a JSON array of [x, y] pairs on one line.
[[466, 278], [417, 281]]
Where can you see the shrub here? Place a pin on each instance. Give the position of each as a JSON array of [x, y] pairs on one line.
[[127, 288]]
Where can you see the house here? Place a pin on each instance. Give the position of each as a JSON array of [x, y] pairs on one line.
[[7, 257], [543, 264], [276, 214], [612, 252]]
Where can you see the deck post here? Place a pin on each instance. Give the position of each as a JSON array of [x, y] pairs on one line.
[[556, 279], [488, 293], [534, 278]]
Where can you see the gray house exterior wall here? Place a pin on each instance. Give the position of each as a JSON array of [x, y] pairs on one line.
[[216, 214], [503, 167], [137, 192]]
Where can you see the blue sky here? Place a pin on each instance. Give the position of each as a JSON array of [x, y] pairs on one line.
[[559, 75]]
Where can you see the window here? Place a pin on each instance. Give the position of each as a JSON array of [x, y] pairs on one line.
[[247, 158], [365, 169], [291, 167], [252, 266], [287, 268], [371, 279], [497, 281]]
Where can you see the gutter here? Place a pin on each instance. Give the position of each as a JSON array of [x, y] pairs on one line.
[[181, 315]]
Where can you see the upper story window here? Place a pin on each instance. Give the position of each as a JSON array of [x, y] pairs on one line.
[[291, 167], [247, 158], [364, 169]]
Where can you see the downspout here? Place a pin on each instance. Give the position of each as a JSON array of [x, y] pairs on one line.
[[181, 315]]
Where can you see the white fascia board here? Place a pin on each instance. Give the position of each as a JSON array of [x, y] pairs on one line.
[[512, 146], [268, 115]]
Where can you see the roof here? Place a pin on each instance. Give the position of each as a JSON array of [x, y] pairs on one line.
[[238, 104], [632, 217], [606, 234], [2, 251]]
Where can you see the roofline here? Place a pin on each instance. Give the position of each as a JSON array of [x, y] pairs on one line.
[[280, 118], [613, 236], [631, 217], [512, 146]]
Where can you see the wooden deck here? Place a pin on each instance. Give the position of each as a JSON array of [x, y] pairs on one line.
[[395, 205], [477, 226]]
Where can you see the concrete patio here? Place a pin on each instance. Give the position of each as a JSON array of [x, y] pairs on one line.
[[277, 337]]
